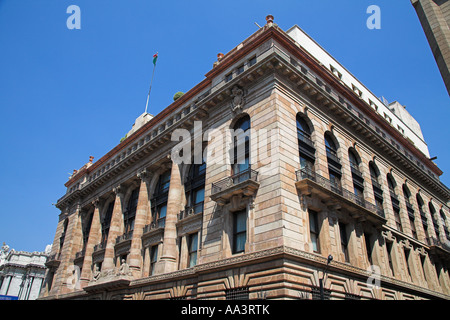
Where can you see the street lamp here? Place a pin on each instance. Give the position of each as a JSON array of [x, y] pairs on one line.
[[322, 295]]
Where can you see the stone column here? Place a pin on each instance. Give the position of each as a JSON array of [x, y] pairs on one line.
[[184, 252], [168, 261], [94, 238], [114, 230], [146, 268], [142, 212], [67, 254]]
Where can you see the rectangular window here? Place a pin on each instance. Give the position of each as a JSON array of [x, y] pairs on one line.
[[228, 77], [398, 222], [252, 61], [153, 259], [407, 262], [413, 227], [314, 230], [240, 231], [240, 69], [389, 254], [368, 248], [193, 245], [344, 241], [199, 197]]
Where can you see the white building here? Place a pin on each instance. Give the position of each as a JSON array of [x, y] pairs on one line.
[[22, 273]]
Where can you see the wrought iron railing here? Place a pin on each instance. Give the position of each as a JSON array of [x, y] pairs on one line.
[[80, 254], [100, 246], [126, 236], [306, 139], [332, 155], [228, 182], [436, 242], [190, 211], [160, 223], [327, 184]]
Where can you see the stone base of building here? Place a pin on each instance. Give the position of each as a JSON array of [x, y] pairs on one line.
[[279, 273]]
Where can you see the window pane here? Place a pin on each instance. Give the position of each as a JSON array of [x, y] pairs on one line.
[[199, 195], [240, 242], [162, 211], [241, 222], [314, 242]]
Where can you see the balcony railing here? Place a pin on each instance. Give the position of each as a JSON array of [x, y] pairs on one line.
[[355, 169], [327, 184], [100, 246], [409, 207], [124, 237], [80, 254], [332, 155], [160, 223], [306, 139], [191, 211], [233, 180], [436, 242]]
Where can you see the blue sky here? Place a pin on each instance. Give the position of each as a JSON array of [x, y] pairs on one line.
[[68, 94]]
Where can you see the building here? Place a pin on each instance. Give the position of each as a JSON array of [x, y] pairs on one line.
[[311, 187], [434, 15], [22, 273]]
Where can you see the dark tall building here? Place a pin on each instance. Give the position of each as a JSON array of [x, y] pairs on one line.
[[434, 15]]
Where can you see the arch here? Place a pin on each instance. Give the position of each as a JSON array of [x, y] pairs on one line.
[[374, 171], [331, 141], [239, 120], [241, 144], [355, 159], [304, 125], [406, 192], [391, 182], [420, 201]]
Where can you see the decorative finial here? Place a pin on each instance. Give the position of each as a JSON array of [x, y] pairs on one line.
[[269, 20], [91, 158]]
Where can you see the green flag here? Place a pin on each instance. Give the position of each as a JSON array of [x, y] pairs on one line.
[[155, 57]]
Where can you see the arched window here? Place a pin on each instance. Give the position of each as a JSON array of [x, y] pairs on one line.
[[195, 188], [106, 223], [395, 202], [87, 228], [334, 165], [376, 186], [130, 212], [391, 184], [241, 148], [305, 145], [159, 200], [444, 223], [358, 181], [423, 217], [410, 210], [433, 218]]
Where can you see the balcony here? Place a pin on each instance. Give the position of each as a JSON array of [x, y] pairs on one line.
[[355, 170], [191, 211], [155, 225], [100, 246], [244, 183], [124, 237], [409, 208], [309, 182], [53, 261], [439, 248]]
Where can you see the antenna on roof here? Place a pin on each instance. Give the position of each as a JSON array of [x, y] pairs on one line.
[[258, 25]]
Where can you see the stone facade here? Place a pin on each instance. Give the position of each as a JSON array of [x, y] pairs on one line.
[[22, 273], [138, 224], [434, 15]]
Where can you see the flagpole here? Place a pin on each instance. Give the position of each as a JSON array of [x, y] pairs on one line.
[[150, 89]]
